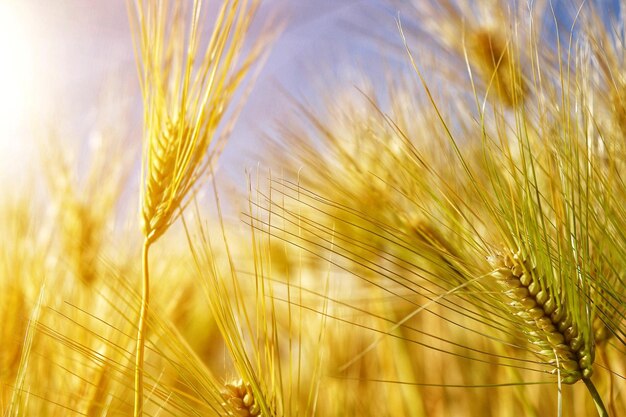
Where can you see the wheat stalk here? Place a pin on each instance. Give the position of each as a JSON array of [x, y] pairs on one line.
[[184, 104]]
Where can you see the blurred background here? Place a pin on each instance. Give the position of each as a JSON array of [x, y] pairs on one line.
[[62, 59]]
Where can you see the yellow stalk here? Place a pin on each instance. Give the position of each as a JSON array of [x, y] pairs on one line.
[[184, 106], [141, 331]]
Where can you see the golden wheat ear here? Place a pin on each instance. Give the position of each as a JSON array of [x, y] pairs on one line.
[[186, 94], [477, 37]]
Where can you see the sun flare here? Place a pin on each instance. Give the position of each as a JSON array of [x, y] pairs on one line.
[[16, 77]]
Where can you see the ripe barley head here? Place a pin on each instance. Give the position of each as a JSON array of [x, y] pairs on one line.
[[552, 327], [239, 398]]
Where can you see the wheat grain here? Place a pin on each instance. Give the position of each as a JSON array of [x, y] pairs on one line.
[[238, 396]]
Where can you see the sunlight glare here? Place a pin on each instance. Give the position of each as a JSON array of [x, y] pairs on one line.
[[16, 83]]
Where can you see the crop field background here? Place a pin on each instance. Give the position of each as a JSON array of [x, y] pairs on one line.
[[313, 208]]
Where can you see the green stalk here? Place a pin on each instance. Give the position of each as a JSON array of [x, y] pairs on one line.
[[596, 398], [141, 331]]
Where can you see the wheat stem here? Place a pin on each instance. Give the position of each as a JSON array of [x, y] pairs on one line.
[[141, 331], [597, 400]]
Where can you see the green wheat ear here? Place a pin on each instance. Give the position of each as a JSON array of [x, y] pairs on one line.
[[550, 326]]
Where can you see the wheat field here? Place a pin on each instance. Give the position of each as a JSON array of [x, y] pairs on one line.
[[446, 238]]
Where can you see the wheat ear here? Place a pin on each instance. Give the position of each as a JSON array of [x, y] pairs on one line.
[[553, 327]]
